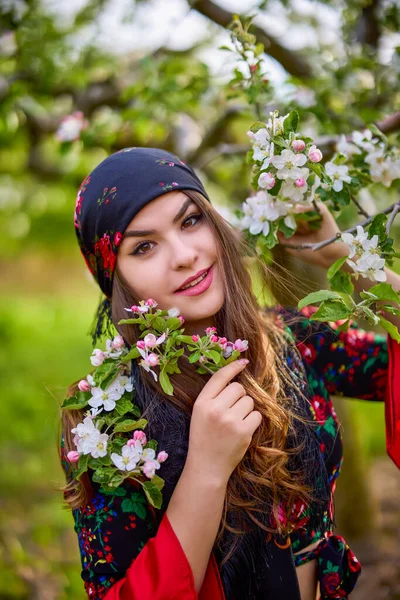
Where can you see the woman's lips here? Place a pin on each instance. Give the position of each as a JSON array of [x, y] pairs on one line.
[[200, 287]]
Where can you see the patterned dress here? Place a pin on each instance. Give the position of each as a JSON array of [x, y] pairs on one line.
[[113, 529]]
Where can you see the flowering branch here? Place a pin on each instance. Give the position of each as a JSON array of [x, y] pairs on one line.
[[100, 440]]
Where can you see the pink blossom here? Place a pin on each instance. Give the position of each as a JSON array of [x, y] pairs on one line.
[[229, 348], [222, 340], [97, 357], [149, 468], [298, 145], [134, 308], [162, 456], [150, 340], [214, 338], [152, 359], [211, 330], [151, 302], [141, 345], [140, 436], [266, 181], [83, 385], [174, 183], [118, 342], [182, 320], [73, 456], [301, 182], [195, 338], [314, 154], [241, 345]]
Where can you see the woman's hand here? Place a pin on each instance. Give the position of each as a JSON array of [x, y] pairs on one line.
[[324, 257]]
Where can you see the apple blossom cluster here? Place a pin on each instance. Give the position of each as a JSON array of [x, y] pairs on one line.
[[285, 175], [364, 257], [106, 397], [71, 126], [373, 155], [149, 348]]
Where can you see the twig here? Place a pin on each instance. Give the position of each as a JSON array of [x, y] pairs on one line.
[[396, 209], [324, 243], [360, 208]]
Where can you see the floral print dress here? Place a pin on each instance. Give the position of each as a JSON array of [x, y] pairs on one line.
[[112, 529]]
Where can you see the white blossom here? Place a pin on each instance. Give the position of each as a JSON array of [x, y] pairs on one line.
[[347, 148], [364, 139], [370, 266], [360, 243], [339, 174], [288, 164], [86, 436], [106, 398], [127, 460], [100, 446]]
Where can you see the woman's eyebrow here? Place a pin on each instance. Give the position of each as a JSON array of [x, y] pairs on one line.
[[143, 232]]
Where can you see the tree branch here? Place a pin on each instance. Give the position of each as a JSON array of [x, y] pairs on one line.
[[324, 243], [292, 62]]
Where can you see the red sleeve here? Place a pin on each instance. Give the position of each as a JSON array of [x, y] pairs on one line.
[[162, 572], [392, 403]]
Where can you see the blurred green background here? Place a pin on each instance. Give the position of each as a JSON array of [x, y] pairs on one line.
[[150, 73]]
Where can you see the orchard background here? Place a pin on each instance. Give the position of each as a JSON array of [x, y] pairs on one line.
[[150, 73]]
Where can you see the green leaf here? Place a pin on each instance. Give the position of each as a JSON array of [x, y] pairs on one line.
[[331, 311], [186, 339], [158, 481], [80, 400], [104, 475], [104, 371], [384, 291], [195, 357], [113, 492], [166, 383], [291, 122], [83, 465], [335, 267], [130, 425], [152, 444], [159, 324], [132, 505], [216, 357], [123, 406], [153, 494], [173, 323], [257, 126], [320, 296], [390, 328], [377, 227], [341, 282], [132, 354], [369, 315]]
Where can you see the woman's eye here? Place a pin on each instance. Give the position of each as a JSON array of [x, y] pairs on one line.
[[197, 218]]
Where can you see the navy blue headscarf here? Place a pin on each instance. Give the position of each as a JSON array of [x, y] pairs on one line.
[[107, 201]]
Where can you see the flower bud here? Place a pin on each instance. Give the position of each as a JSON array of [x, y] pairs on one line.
[[214, 338], [97, 357], [118, 342], [140, 436], [162, 456], [266, 181], [140, 344], [149, 469], [134, 308], [195, 338], [182, 320], [298, 145], [150, 302], [314, 154], [301, 182], [73, 456], [210, 330], [83, 385]]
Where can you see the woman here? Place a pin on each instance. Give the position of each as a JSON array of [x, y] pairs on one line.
[[247, 508]]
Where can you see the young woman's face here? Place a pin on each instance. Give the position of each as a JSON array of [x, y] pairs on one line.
[[157, 264]]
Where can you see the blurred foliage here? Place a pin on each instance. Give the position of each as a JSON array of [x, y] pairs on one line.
[[51, 67]]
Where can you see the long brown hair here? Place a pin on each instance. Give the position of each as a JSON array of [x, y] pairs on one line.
[[264, 471]]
